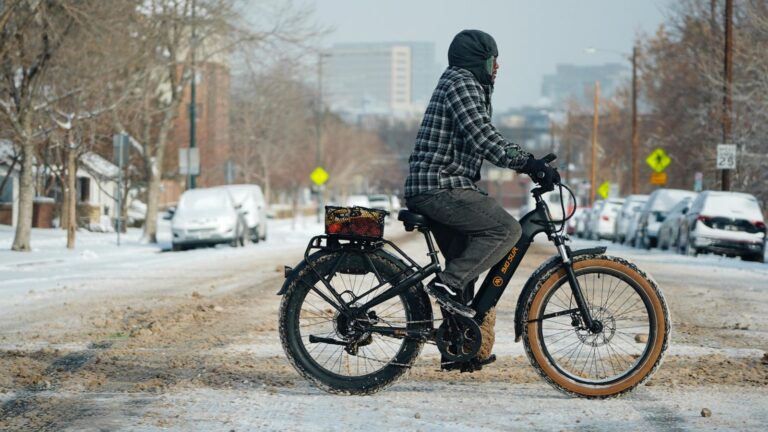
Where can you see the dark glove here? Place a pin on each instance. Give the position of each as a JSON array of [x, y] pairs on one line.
[[541, 173]]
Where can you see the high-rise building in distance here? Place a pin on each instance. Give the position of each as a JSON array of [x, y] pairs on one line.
[[378, 78]]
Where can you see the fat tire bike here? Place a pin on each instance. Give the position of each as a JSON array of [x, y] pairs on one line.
[[354, 316]]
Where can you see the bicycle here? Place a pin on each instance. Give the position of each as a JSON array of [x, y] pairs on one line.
[[354, 316]]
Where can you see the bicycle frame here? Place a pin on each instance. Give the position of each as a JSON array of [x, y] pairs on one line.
[[537, 221]]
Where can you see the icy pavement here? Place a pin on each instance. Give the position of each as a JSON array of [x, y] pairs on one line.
[[140, 339]]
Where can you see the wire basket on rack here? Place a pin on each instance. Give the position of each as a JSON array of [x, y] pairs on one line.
[[354, 221]]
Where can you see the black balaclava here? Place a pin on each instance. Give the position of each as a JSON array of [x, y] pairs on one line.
[[474, 50]]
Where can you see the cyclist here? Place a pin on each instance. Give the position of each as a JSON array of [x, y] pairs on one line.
[[456, 135]]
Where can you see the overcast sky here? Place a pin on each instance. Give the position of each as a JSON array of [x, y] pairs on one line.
[[533, 36]]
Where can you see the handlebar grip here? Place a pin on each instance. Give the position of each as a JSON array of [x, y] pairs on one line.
[[549, 158]]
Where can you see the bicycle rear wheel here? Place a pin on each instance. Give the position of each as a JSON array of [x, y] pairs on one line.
[[634, 336], [308, 323]]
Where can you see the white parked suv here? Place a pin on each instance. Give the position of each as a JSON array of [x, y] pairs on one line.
[[603, 219], [250, 201], [206, 217], [632, 205], [655, 210], [728, 223]]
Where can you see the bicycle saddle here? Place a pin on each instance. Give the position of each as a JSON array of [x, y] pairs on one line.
[[412, 220]]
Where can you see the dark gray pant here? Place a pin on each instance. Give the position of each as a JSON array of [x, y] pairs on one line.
[[471, 229]]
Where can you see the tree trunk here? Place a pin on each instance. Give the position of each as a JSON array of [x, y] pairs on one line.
[[72, 201], [155, 162], [65, 197], [21, 241], [153, 198], [267, 189]]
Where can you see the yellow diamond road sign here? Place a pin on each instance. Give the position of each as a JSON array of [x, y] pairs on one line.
[[658, 160], [319, 176], [604, 189]]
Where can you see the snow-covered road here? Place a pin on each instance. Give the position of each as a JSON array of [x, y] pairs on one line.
[[135, 338]]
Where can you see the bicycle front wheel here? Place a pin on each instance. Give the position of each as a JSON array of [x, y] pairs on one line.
[[627, 350]]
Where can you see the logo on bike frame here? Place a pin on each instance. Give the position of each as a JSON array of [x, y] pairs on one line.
[[511, 256], [497, 281]]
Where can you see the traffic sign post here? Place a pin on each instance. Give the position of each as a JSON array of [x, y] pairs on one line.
[[319, 177], [120, 147], [698, 180], [658, 160], [726, 156], [604, 190], [659, 178]]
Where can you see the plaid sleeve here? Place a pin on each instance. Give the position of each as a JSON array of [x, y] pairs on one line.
[[465, 101]]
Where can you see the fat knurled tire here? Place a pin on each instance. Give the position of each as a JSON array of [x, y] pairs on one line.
[[626, 384], [416, 310]]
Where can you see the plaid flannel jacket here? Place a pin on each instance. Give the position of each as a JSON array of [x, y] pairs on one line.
[[455, 137]]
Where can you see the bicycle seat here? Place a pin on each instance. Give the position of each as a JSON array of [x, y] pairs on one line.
[[412, 220]]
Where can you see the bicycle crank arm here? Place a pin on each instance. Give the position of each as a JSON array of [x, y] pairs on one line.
[[401, 332], [325, 340]]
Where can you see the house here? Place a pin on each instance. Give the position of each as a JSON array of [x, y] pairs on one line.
[[9, 184], [96, 190]]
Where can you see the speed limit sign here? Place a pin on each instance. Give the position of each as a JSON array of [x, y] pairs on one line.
[[726, 156]]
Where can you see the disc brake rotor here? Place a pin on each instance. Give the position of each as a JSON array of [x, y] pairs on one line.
[[599, 339]]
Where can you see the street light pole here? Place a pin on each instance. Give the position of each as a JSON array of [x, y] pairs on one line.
[[635, 150], [595, 124], [319, 134], [635, 135], [728, 79], [193, 101]]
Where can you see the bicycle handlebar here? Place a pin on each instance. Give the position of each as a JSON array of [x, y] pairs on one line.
[[549, 158], [540, 190]]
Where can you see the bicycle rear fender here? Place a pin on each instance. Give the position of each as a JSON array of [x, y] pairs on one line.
[[292, 273], [546, 266]]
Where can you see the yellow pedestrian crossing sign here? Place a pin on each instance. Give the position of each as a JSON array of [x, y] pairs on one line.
[[319, 176], [604, 189], [658, 160]]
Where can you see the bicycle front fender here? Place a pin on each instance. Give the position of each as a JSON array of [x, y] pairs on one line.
[[551, 263]]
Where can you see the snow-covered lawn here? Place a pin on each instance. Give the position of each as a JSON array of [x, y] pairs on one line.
[[50, 263]]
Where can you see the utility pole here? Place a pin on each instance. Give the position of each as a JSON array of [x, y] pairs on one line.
[[319, 134], [635, 135], [595, 124], [568, 150], [193, 102], [728, 80]]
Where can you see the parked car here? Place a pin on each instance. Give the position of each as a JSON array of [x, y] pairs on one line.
[[659, 203], [602, 220], [396, 206], [728, 223], [580, 219], [358, 200], [249, 199], [670, 228], [206, 217], [632, 204], [380, 201], [573, 223], [629, 234]]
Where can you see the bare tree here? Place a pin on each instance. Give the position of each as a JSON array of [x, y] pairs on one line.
[[30, 39], [270, 121]]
